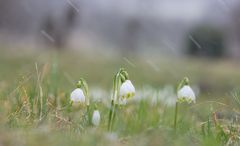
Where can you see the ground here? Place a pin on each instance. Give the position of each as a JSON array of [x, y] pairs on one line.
[[35, 88]]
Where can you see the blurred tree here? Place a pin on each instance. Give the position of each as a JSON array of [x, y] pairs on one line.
[[132, 31], [235, 31], [14, 16], [206, 41], [4, 12], [56, 32]]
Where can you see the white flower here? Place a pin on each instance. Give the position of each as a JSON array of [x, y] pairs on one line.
[[77, 96], [127, 89], [186, 94], [96, 118]]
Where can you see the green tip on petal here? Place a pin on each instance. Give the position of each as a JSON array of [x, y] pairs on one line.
[[128, 95], [186, 100]]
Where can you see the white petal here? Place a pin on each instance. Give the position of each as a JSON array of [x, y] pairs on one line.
[[124, 90], [96, 118], [77, 95], [186, 92], [131, 87]]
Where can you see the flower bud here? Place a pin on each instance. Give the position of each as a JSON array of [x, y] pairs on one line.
[[96, 118]]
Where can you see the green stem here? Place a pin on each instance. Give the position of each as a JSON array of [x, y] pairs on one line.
[[110, 115], [115, 98], [88, 114], [118, 84], [83, 84], [175, 118], [112, 102], [114, 115]]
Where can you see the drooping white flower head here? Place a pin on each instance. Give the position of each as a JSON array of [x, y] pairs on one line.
[[77, 96], [96, 118], [186, 94], [127, 89]]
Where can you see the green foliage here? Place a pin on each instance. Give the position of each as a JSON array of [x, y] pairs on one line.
[[35, 106]]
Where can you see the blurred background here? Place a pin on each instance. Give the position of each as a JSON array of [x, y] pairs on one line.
[[198, 28], [160, 40]]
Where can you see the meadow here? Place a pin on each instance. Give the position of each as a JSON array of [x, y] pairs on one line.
[[35, 93]]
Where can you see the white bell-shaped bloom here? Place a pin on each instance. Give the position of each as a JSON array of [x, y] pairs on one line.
[[96, 118], [123, 90], [186, 94], [132, 88], [127, 89], [77, 96]]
